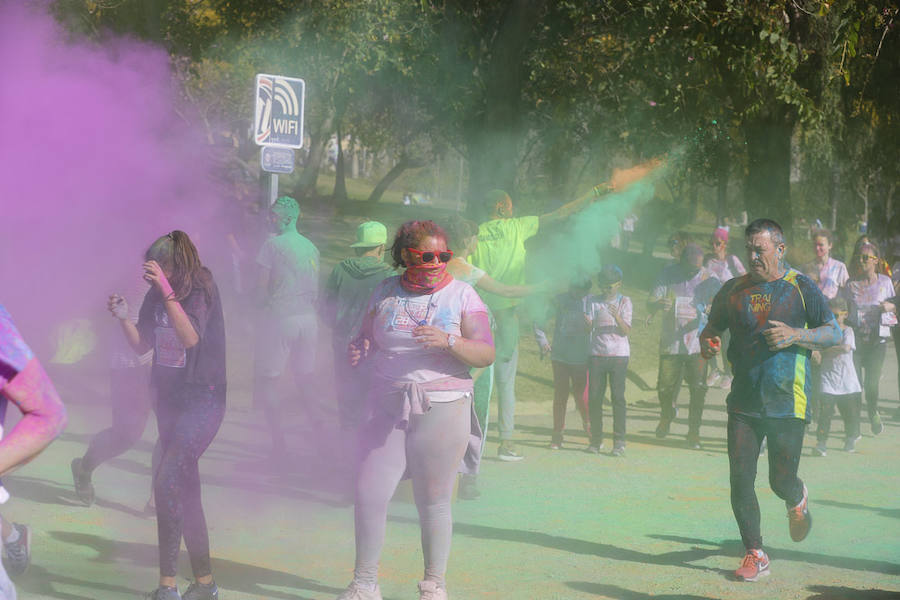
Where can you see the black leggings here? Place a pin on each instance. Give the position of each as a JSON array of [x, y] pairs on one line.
[[869, 360], [188, 420], [131, 404], [785, 442]]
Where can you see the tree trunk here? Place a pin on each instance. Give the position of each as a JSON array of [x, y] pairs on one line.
[[318, 140], [354, 160], [401, 165], [693, 199], [769, 169], [722, 174], [834, 191], [493, 140], [340, 175]]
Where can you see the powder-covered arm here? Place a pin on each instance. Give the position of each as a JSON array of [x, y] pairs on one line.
[[44, 416], [780, 336]]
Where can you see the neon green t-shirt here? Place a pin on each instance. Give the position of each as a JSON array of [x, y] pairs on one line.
[[501, 253]]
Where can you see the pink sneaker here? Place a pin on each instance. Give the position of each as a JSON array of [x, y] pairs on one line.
[[799, 519], [754, 566]]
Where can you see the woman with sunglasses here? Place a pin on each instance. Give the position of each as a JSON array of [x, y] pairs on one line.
[[181, 321], [422, 331], [869, 296]]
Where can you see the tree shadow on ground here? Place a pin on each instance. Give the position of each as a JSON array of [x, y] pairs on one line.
[[674, 441], [630, 375], [639, 381], [827, 592], [885, 512], [229, 575], [681, 558], [620, 593], [535, 378], [302, 480], [42, 491], [40, 581], [734, 548]]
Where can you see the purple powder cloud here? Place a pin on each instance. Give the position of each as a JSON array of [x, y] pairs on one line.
[[95, 163]]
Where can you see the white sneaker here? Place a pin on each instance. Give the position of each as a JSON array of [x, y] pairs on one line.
[[429, 590], [354, 592]]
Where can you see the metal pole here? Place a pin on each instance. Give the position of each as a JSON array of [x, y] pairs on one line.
[[273, 188]]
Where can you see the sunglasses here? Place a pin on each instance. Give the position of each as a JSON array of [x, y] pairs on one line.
[[865, 257], [427, 257]]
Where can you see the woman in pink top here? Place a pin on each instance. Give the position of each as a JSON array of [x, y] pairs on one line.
[[869, 295], [423, 331]]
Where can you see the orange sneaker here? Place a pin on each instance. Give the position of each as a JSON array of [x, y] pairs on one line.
[[799, 519], [754, 566]]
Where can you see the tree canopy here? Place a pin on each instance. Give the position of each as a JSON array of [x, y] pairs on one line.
[[543, 97]]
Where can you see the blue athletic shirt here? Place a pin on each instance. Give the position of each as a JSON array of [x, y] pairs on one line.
[[768, 383]]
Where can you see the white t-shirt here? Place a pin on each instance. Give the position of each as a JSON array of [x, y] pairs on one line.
[[606, 338], [396, 312], [838, 373], [865, 313]]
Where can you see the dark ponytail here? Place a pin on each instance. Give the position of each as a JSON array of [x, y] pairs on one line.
[[175, 252]]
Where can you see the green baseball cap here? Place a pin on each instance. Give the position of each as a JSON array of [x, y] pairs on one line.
[[370, 234]]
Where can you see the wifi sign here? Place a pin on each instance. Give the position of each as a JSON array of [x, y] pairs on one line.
[[279, 111]]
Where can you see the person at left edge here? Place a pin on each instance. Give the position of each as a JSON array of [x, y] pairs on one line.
[[24, 382]]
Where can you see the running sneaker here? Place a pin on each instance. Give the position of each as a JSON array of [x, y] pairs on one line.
[[593, 449], [84, 489], [799, 519], [754, 566], [468, 487], [355, 592], [618, 450], [712, 380], [850, 444], [201, 591], [18, 553], [555, 445], [662, 430], [693, 442], [429, 590], [508, 452], [163, 592], [820, 450], [877, 425]]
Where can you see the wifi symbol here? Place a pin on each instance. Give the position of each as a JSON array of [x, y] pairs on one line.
[[286, 98]]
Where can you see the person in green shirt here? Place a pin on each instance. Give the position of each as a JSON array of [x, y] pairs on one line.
[[501, 254], [343, 304], [286, 323]]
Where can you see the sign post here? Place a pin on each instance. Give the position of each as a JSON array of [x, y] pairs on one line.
[[278, 124]]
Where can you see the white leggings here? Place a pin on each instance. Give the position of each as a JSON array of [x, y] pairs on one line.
[[431, 447]]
